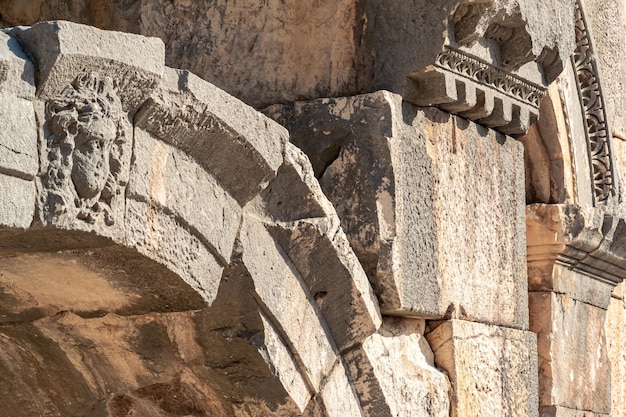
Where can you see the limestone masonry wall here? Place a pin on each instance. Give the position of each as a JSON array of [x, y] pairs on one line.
[[318, 209]]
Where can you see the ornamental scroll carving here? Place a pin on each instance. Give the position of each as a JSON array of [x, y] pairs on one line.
[[489, 75], [87, 151], [594, 112]]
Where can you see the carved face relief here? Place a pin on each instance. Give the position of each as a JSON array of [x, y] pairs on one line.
[[86, 150], [92, 149]]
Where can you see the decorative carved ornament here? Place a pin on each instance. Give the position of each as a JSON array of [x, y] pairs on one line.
[[594, 113], [87, 160], [481, 72]]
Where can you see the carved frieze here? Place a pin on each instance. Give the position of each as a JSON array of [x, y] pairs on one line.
[[496, 62], [594, 113], [87, 152]]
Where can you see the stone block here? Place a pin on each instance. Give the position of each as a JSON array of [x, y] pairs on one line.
[[574, 369], [308, 230], [286, 301], [394, 374], [17, 203], [616, 341], [63, 51], [18, 137], [161, 237], [18, 129], [567, 412], [17, 72], [432, 205], [165, 176], [484, 363], [338, 395], [223, 134]]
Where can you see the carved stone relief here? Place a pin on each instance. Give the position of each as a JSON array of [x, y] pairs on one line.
[[87, 147], [496, 63], [594, 113]]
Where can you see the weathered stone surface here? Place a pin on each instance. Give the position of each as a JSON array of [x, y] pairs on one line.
[[608, 22], [283, 298], [483, 362], [338, 395], [160, 236], [85, 158], [429, 205], [575, 250], [224, 135], [63, 51], [88, 282], [166, 177], [151, 365], [17, 203], [310, 234], [18, 130], [567, 412], [616, 340], [574, 369], [394, 373]]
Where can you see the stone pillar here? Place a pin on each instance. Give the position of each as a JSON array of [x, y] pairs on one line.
[[575, 260]]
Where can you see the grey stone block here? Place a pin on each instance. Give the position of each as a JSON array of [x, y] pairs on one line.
[[161, 237], [63, 51], [17, 203], [228, 138], [165, 176], [18, 129]]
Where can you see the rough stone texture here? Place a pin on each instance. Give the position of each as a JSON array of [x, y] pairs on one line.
[[285, 51], [431, 204], [608, 22], [18, 131], [309, 232], [160, 236], [169, 179], [587, 242], [483, 362], [616, 340], [574, 369], [220, 132], [567, 412], [338, 394], [283, 298], [60, 51], [395, 360], [17, 203]]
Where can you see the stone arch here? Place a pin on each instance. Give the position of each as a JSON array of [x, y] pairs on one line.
[[197, 239]]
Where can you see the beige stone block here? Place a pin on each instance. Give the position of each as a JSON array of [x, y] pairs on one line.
[[568, 412], [574, 369], [338, 395], [615, 329], [394, 373], [166, 177], [227, 137], [491, 368], [433, 205], [285, 300]]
